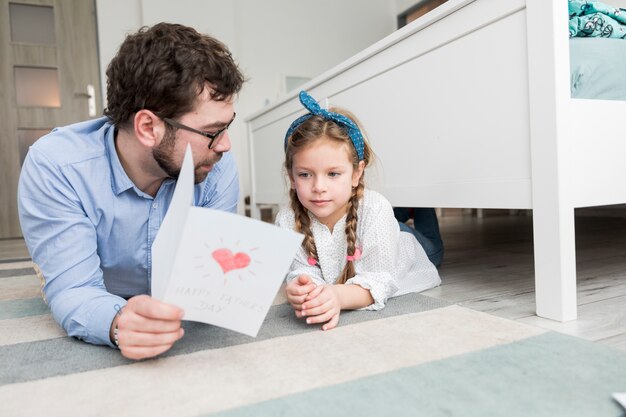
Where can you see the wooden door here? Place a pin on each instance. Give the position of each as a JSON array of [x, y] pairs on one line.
[[418, 10], [49, 76]]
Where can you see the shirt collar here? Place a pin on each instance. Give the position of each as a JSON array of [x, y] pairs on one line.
[[119, 180]]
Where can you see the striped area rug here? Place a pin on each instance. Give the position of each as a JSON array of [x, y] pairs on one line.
[[417, 357]]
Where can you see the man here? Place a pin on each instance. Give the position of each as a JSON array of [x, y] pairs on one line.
[[92, 195]]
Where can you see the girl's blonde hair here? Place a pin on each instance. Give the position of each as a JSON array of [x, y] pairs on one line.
[[311, 130]]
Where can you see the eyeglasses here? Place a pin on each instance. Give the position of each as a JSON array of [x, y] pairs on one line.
[[214, 137]]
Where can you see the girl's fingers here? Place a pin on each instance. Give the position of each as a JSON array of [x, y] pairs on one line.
[[321, 308], [303, 280], [297, 290], [296, 301], [332, 323], [326, 313], [314, 293]]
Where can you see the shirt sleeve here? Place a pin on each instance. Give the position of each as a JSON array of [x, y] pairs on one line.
[[300, 264], [221, 188], [62, 242], [379, 238]]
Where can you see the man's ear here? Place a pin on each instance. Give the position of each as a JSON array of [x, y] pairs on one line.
[[358, 173], [149, 129]]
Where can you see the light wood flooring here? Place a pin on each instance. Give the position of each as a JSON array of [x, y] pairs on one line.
[[488, 266], [13, 250]]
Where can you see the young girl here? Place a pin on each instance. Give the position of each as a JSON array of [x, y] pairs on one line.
[[353, 254]]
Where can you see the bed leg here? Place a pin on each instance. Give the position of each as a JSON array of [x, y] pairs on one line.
[[553, 214], [555, 263]]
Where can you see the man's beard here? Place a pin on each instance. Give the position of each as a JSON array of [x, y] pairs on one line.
[[163, 156]]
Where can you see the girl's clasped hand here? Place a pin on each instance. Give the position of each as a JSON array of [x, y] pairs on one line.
[[318, 303]]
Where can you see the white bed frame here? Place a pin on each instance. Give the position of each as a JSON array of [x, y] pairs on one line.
[[469, 106]]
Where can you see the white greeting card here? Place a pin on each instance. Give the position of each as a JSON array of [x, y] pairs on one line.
[[221, 268]]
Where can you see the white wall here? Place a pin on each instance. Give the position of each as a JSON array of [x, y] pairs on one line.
[[404, 5], [269, 39]]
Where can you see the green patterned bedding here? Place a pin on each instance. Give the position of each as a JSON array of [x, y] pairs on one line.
[[590, 18]]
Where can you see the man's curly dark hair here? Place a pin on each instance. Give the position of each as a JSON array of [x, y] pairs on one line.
[[164, 68]]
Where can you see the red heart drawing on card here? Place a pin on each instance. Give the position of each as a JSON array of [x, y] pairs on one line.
[[229, 261]]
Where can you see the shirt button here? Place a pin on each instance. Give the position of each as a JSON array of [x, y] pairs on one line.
[[155, 205]]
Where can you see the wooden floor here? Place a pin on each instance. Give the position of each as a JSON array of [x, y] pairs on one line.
[[13, 250], [488, 266]]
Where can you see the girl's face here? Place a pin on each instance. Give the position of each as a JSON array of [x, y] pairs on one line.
[[323, 177]]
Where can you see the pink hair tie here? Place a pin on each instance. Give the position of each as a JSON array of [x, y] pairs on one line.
[[312, 261], [356, 256]]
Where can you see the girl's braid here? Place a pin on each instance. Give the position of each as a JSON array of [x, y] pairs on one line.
[[351, 221], [303, 225]]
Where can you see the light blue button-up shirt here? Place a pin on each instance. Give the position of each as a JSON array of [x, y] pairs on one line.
[[90, 230]]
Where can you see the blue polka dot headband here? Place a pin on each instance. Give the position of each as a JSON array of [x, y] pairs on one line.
[[311, 105]]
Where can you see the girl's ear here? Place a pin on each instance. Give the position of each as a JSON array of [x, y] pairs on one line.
[[358, 173], [149, 129]]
